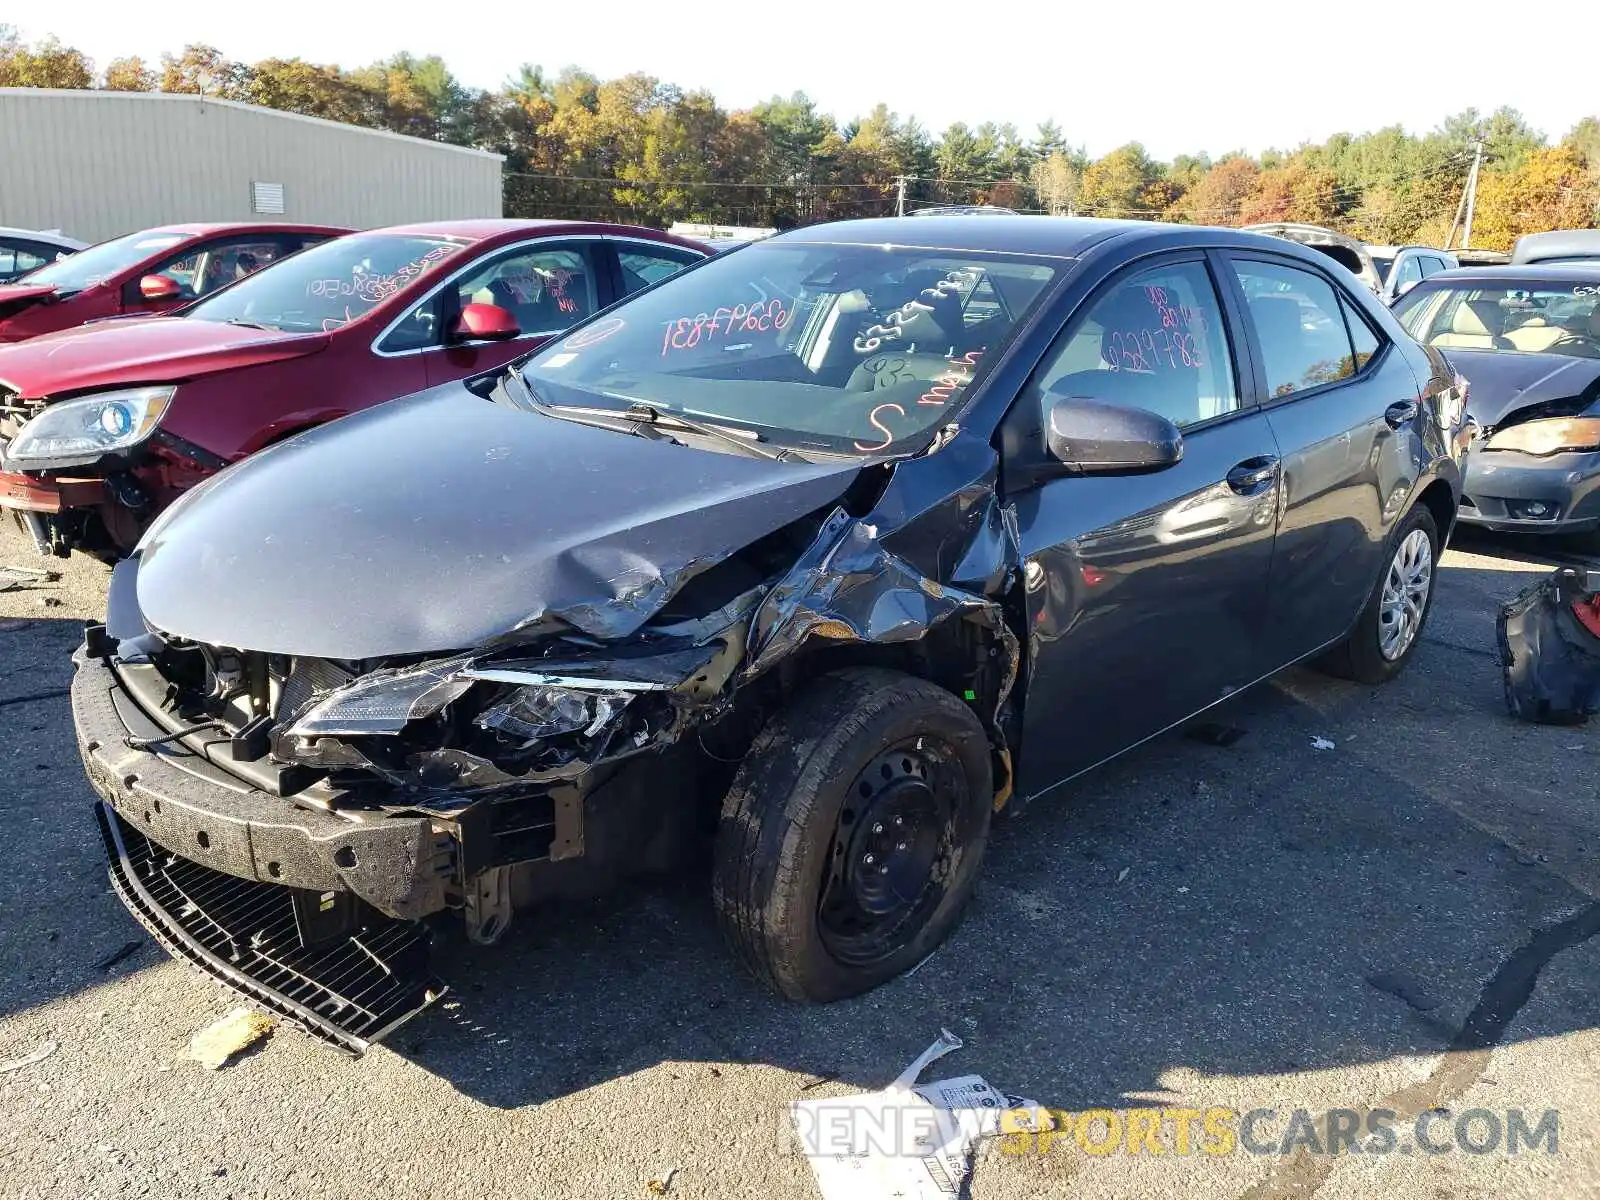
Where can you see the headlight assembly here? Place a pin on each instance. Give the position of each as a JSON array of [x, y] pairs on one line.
[[542, 710], [384, 702], [75, 432], [1549, 436]]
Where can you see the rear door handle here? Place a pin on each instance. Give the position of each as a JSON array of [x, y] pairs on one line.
[[1254, 475], [1400, 413]]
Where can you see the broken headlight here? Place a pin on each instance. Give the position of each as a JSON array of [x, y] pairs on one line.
[[540, 710], [384, 701], [1549, 436]]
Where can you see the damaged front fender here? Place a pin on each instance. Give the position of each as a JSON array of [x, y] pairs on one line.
[[1550, 649]]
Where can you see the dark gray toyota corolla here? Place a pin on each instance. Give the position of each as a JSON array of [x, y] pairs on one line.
[[822, 552]]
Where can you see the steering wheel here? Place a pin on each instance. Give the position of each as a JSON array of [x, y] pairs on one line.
[[1581, 345]]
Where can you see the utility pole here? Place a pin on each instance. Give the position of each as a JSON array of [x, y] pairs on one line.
[[900, 196], [1472, 193], [1455, 221]]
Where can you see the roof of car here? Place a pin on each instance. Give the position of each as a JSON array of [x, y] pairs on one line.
[[206, 228], [54, 236], [1510, 276], [1555, 243], [482, 228], [1055, 237]]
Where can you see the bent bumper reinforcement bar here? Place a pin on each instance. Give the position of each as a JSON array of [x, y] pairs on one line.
[[342, 971]]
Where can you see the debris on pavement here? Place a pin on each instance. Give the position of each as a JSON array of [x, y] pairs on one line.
[[13, 577], [910, 1140], [660, 1187], [1321, 743], [43, 1051], [1549, 637], [219, 1041], [1123, 874]]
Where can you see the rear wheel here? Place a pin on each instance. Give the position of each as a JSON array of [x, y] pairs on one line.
[[1390, 627], [852, 836]]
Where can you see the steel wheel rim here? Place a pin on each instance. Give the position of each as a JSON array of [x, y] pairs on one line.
[[891, 853], [1406, 585]]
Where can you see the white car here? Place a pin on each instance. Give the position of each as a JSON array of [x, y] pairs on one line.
[[24, 250]]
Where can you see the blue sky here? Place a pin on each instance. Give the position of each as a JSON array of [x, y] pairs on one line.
[[1251, 76]]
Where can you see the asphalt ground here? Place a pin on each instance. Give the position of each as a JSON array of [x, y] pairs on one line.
[[1403, 921]]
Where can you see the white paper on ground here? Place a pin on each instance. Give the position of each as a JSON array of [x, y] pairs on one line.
[[910, 1141]]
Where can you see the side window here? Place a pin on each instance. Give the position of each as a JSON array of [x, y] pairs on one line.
[[229, 261], [546, 287], [1430, 265], [1304, 341], [1363, 340], [18, 258], [1154, 341], [642, 266], [1409, 271], [184, 271]]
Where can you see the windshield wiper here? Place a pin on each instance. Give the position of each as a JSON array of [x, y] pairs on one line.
[[744, 440], [243, 324]]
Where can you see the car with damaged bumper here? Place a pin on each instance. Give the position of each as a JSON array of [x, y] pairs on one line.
[[1527, 338], [152, 271], [820, 554], [103, 427]]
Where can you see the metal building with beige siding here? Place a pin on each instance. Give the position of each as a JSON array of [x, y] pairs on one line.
[[96, 164]]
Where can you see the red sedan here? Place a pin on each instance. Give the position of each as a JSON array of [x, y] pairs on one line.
[[144, 273], [102, 427]]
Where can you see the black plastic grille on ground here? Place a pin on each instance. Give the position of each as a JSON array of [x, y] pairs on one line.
[[351, 991]]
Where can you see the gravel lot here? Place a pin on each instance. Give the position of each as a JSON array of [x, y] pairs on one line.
[[1193, 925]]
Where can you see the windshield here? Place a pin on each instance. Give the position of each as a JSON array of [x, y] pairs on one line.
[[852, 349], [328, 285], [93, 266], [1517, 317]]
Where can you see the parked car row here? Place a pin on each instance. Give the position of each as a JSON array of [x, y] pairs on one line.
[[825, 550], [236, 337]]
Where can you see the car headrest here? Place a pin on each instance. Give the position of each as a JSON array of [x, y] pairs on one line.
[[1481, 317], [1124, 312], [1592, 326]]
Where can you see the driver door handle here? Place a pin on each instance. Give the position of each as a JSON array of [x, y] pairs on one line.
[[1254, 475], [1400, 413]]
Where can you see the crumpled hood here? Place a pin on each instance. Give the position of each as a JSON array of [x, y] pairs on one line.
[[138, 350], [17, 297], [1501, 381], [442, 520]]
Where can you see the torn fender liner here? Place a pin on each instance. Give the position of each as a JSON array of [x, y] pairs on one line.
[[848, 587], [346, 974], [1550, 649]]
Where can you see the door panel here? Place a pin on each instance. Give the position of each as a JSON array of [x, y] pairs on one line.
[[1145, 593], [1346, 472]]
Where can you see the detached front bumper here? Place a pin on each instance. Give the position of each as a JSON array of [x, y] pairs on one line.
[[1519, 493], [50, 495], [251, 888]]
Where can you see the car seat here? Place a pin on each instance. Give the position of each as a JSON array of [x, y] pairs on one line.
[[1480, 325]]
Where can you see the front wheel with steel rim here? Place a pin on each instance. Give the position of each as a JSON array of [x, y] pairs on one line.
[[1389, 628], [851, 838]]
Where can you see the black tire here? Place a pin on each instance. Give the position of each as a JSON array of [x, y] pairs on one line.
[[1359, 656], [792, 811]]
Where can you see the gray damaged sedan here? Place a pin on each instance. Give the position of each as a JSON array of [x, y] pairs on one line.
[[819, 555], [1527, 338]]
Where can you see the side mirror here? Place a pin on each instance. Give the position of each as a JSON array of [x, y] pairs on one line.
[[158, 288], [1092, 437], [484, 323]]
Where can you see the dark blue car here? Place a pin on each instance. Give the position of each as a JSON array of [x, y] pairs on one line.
[[824, 551]]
